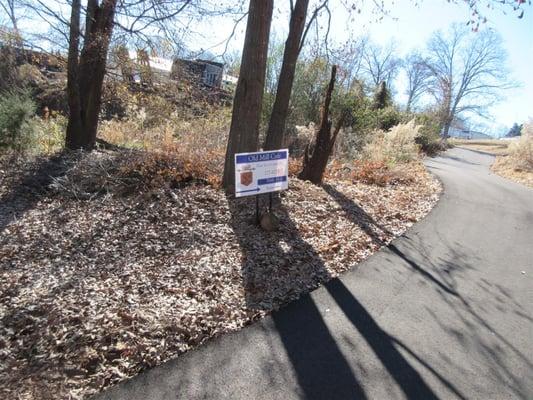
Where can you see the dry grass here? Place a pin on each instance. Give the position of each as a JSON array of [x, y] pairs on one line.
[[504, 166], [517, 165], [175, 150], [397, 145], [171, 133], [489, 146]]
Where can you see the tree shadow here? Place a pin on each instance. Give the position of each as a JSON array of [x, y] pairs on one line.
[[316, 358], [26, 192], [445, 274], [383, 345], [458, 159], [358, 216], [321, 368], [361, 218]]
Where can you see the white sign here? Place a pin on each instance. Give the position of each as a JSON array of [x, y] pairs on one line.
[[261, 172]]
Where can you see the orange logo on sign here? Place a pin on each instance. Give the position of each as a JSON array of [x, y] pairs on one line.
[[247, 178]]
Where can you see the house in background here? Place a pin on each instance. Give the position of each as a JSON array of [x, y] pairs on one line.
[[465, 133], [208, 73], [460, 129]]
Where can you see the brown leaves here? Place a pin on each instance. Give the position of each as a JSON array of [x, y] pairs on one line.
[[94, 291]]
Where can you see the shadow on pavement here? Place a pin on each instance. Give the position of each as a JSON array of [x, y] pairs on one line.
[[381, 343], [321, 368], [445, 274]]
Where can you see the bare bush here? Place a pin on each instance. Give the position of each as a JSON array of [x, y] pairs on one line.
[[521, 151], [394, 146]]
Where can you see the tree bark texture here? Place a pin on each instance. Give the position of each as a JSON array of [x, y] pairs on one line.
[[247, 103], [278, 118], [314, 164], [86, 72]]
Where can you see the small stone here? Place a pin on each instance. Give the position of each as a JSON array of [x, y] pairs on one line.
[[269, 222]]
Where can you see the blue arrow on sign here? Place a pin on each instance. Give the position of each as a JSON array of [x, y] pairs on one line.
[[249, 190]]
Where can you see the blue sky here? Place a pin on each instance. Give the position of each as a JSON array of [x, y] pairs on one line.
[[410, 26]]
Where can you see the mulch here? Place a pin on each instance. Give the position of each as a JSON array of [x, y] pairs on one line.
[[95, 288]]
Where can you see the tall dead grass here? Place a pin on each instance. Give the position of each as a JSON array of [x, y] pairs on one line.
[[175, 150], [521, 151], [397, 145]]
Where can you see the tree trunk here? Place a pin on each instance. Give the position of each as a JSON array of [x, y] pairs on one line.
[[315, 164], [445, 131], [408, 105], [276, 126], [86, 72], [74, 126], [447, 123], [244, 131]]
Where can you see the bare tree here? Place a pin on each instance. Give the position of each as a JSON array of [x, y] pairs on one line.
[[86, 70], [467, 72], [380, 64], [349, 59], [316, 161], [245, 119], [417, 79], [10, 7], [87, 66]]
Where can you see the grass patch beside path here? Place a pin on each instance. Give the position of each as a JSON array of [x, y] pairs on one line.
[[504, 167], [494, 147]]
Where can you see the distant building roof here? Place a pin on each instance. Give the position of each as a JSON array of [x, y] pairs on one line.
[[218, 64]]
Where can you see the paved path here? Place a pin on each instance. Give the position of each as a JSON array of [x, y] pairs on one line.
[[444, 312]]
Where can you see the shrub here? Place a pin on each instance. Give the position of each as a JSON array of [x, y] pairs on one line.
[[394, 146], [131, 172], [16, 110], [382, 97], [429, 134], [373, 172], [49, 133], [157, 108], [387, 118], [521, 153], [116, 99], [376, 173], [527, 128]]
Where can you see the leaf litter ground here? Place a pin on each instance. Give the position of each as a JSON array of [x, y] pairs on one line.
[[96, 288]]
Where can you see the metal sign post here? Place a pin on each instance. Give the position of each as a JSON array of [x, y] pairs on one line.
[[257, 218]]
